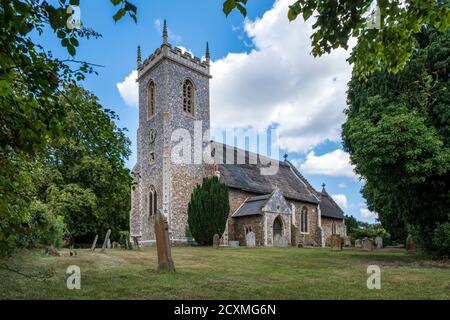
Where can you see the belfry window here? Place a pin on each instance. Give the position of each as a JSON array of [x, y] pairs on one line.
[[188, 97], [151, 100], [304, 220], [152, 202]]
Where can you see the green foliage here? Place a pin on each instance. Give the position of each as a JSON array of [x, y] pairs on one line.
[[351, 222], [337, 22], [398, 136], [208, 210], [441, 239], [33, 115], [43, 227], [371, 231]]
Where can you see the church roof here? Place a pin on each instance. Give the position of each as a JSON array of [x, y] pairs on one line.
[[328, 207], [252, 206], [248, 177]]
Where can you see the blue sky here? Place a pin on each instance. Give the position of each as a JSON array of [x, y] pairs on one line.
[[262, 71]]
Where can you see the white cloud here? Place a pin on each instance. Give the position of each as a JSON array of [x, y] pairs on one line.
[[129, 90], [341, 200], [335, 163], [279, 81], [342, 185], [366, 213]]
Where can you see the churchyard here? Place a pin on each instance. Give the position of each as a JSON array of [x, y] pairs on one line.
[[226, 273]]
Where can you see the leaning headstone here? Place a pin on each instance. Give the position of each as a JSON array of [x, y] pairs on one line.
[[358, 243], [379, 242], [410, 249], [94, 243], [216, 241], [336, 242], [108, 244], [250, 240], [367, 244], [51, 251], [106, 240], [165, 261]]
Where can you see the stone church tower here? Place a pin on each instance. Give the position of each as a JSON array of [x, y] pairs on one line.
[[173, 95]]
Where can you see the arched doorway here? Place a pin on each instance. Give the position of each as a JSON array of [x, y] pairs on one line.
[[277, 227]]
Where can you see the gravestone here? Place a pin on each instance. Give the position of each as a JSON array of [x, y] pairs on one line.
[[136, 242], [216, 241], [250, 240], [367, 244], [279, 241], [410, 249], [348, 241], [379, 242], [233, 244], [358, 243], [336, 242], [51, 251], [165, 261], [94, 243], [108, 244], [106, 240]]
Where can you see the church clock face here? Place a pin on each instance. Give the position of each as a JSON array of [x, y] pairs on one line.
[[152, 136]]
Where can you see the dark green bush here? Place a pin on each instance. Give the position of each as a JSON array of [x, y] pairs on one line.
[[208, 210]]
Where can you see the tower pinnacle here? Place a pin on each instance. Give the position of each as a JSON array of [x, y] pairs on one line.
[[139, 61], [165, 32], [207, 52]]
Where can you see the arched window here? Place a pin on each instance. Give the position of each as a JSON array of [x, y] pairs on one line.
[[304, 220], [277, 227], [188, 97], [151, 100], [152, 202], [333, 228]]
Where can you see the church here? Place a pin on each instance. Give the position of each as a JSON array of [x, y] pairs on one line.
[[279, 209]]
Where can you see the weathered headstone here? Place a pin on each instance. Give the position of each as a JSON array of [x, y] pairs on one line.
[[279, 241], [51, 251], [348, 241], [410, 249], [250, 240], [165, 261], [379, 242], [136, 242], [367, 244], [106, 240], [94, 243], [336, 242], [233, 244], [216, 241], [108, 244], [358, 243]]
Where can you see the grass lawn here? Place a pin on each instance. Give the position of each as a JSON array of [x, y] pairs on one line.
[[228, 273]]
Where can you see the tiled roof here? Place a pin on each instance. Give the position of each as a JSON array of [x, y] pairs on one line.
[[252, 206], [248, 177], [328, 207]]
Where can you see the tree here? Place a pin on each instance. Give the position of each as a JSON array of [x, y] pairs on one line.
[[31, 82], [398, 135], [351, 223], [389, 46], [208, 210]]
